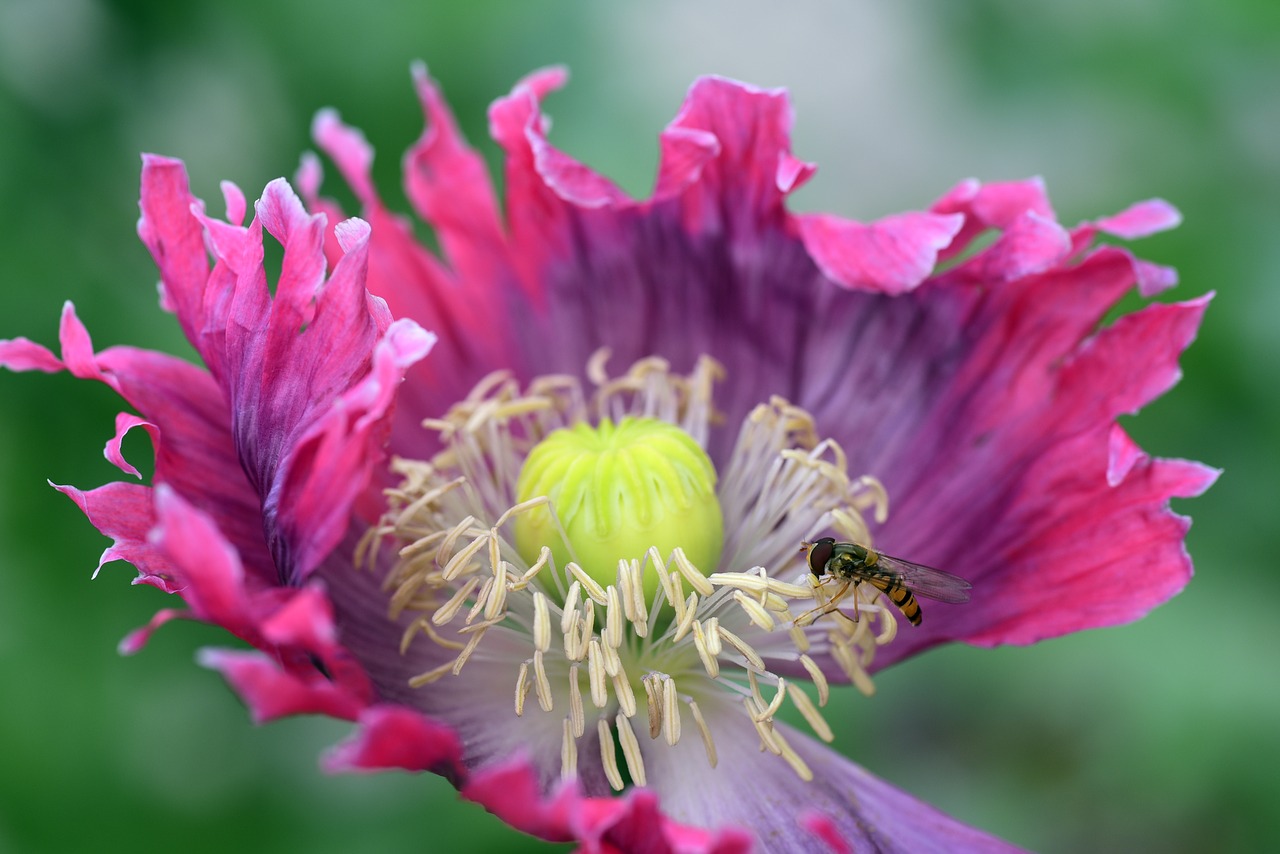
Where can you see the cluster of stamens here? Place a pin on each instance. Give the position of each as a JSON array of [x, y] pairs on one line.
[[459, 576]]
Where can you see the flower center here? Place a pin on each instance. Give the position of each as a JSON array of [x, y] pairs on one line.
[[616, 490], [607, 571]]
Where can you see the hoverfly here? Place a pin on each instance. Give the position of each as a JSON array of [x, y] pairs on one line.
[[852, 564]]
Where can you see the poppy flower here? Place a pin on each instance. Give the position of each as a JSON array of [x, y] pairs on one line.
[[538, 510]]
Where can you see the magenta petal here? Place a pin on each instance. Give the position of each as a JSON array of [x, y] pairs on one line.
[[271, 693], [1030, 244], [1083, 512], [892, 255], [448, 183], [783, 812], [631, 822], [124, 423], [124, 512], [20, 354], [396, 737], [1141, 220]]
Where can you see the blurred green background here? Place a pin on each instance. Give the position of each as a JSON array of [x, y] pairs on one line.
[[1156, 736]]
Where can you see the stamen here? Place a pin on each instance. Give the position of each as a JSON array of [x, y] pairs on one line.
[[654, 698], [764, 728], [613, 619], [630, 750], [709, 661], [755, 611], [707, 741], [522, 687], [541, 684], [497, 599], [568, 617], [541, 622], [595, 669], [446, 612], [607, 757], [568, 752], [626, 696], [696, 579], [451, 531], [712, 628], [812, 716], [589, 584], [753, 658], [792, 758], [818, 678], [576, 712], [670, 711], [688, 610]]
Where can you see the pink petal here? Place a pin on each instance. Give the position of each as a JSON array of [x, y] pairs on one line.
[[124, 423], [396, 737], [892, 255], [272, 693], [124, 512], [20, 354]]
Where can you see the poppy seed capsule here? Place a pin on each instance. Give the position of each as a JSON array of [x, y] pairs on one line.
[[617, 491]]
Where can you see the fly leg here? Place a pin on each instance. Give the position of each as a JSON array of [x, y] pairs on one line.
[[811, 616]]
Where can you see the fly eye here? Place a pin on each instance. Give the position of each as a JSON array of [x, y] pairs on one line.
[[819, 554]]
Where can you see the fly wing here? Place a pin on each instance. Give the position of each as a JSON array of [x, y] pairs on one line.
[[927, 581]]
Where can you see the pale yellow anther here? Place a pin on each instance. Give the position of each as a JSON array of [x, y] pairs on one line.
[[589, 584], [818, 678], [630, 750], [446, 612], [625, 584], [576, 711], [676, 597], [689, 612], [598, 677], [431, 675], [607, 757], [739, 581], [764, 728], [610, 658], [437, 638], [812, 716], [745, 649], [461, 560], [709, 661], [497, 600], [799, 639], [653, 560], [639, 610], [776, 702], [670, 711], [568, 752], [481, 599], [522, 687], [472, 643], [696, 578], [614, 619], [626, 696], [754, 610], [792, 758], [541, 622], [888, 627], [653, 702], [541, 684], [712, 629], [707, 741], [569, 616]]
